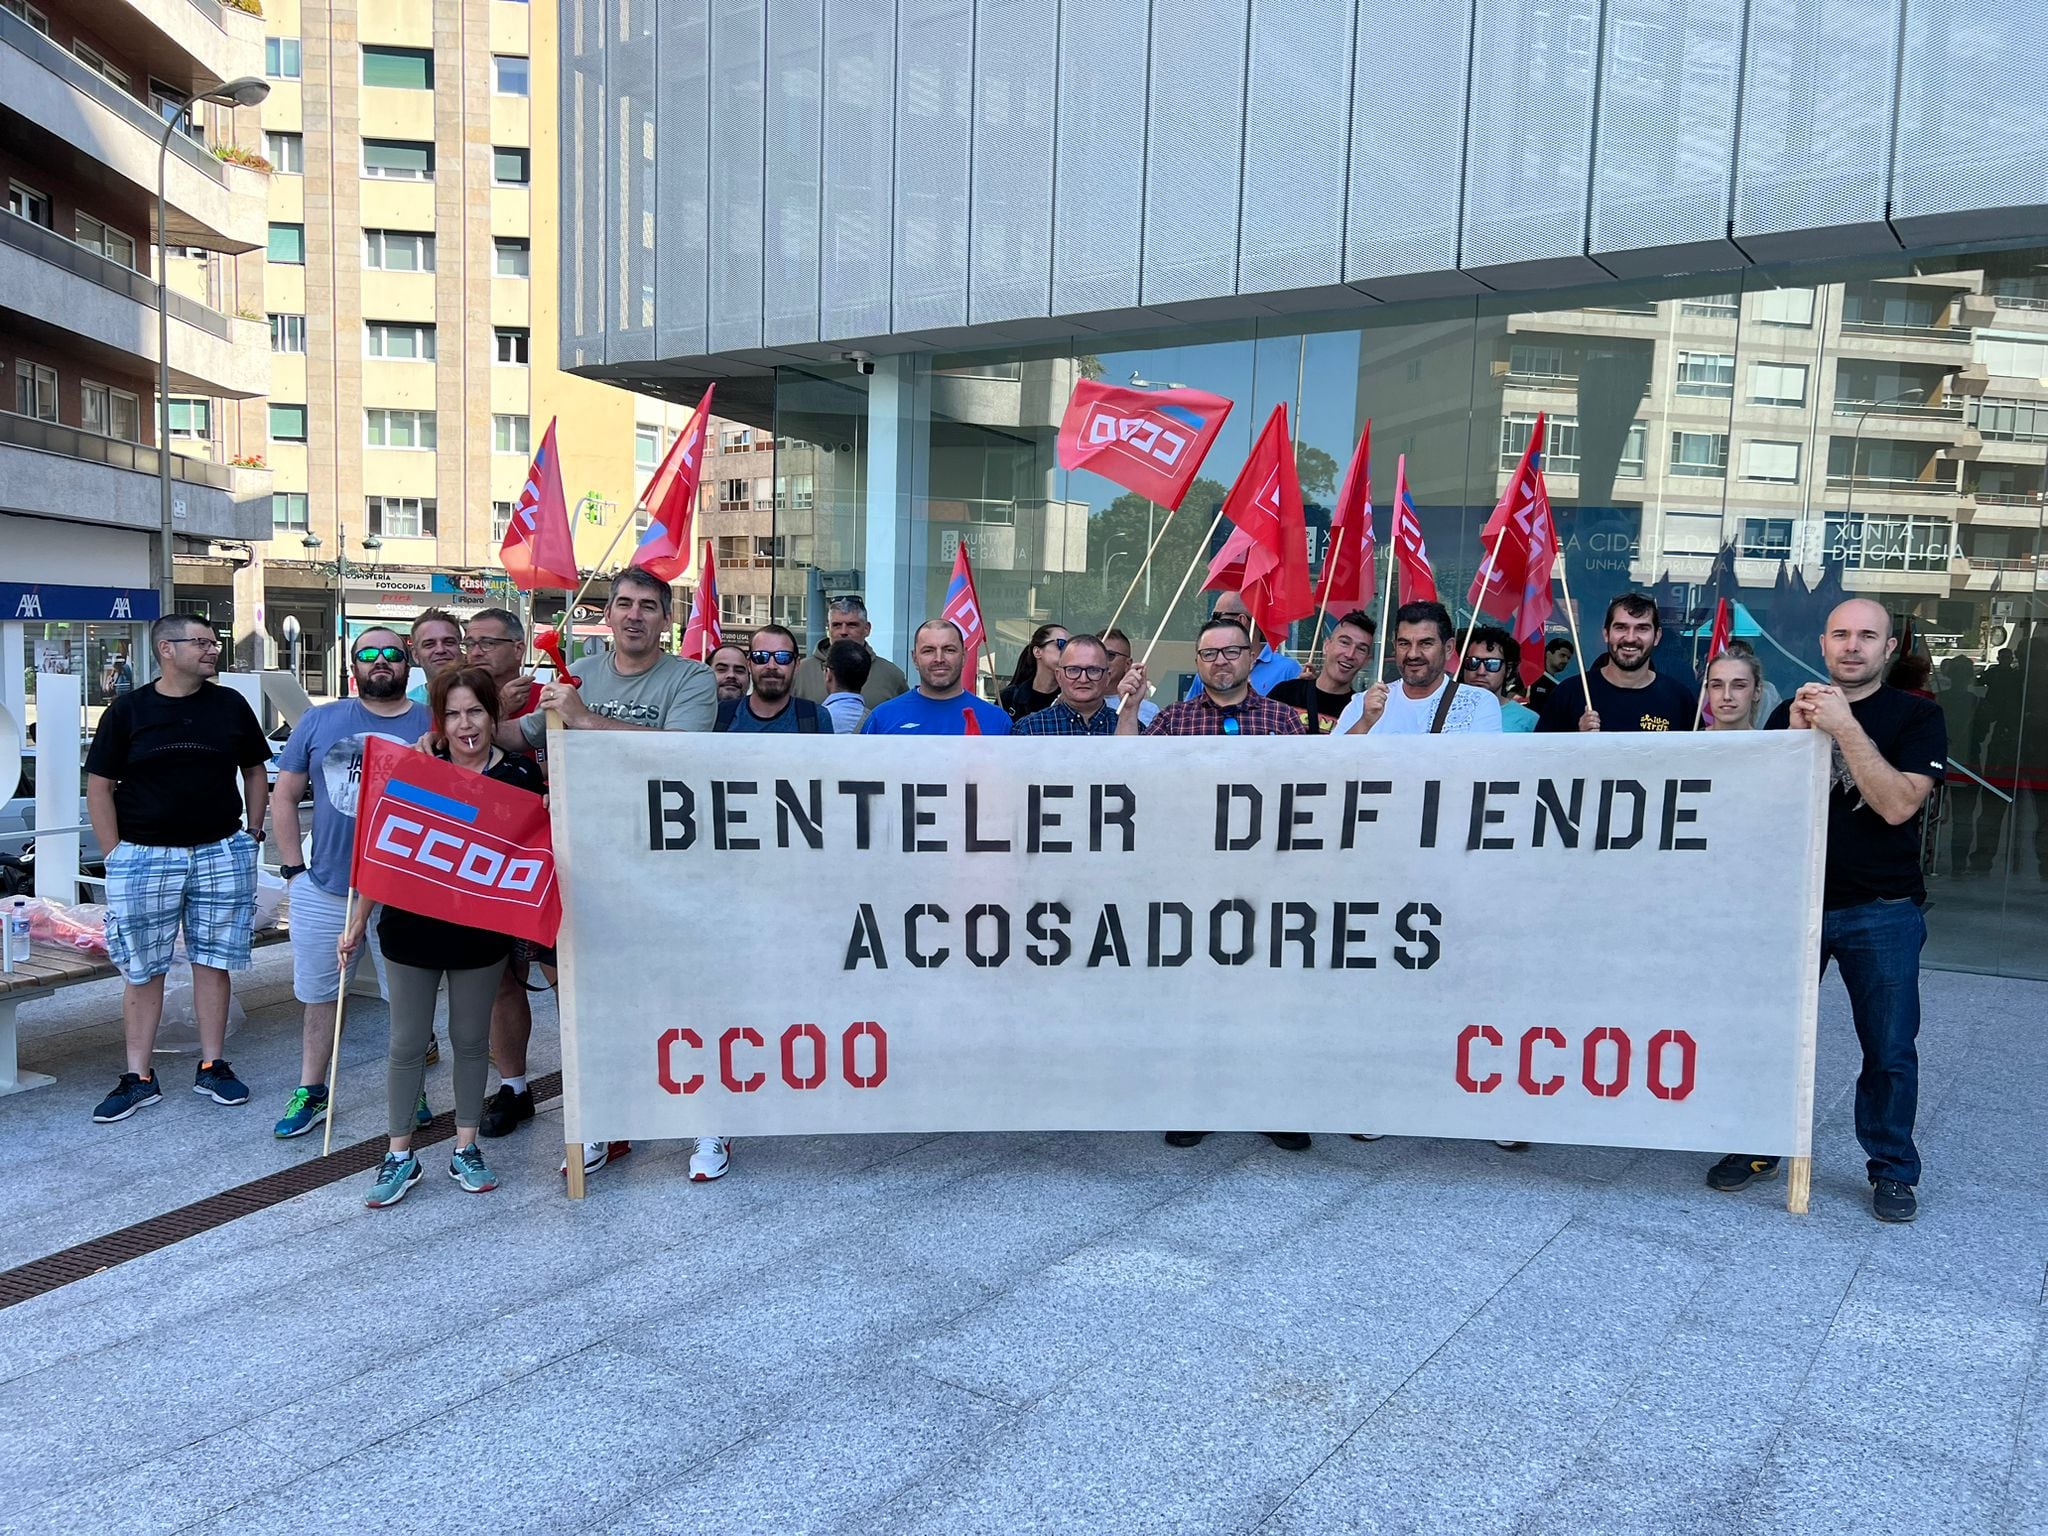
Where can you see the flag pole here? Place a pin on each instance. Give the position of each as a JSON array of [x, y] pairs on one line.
[[581, 592], [1143, 565], [1316, 635], [1379, 662], [1492, 564], [1201, 551], [348, 916], [1571, 618]]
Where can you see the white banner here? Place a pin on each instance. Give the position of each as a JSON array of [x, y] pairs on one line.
[[1608, 940]]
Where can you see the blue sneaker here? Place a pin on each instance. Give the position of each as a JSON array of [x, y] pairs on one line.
[[421, 1115], [216, 1080], [129, 1095], [307, 1108], [467, 1168], [395, 1179]]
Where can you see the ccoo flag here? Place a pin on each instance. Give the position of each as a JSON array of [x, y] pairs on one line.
[[671, 499], [1417, 581], [1266, 556], [1347, 579], [1505, 540], [448, 843], [1147, 440], [537, 550], [963, 608], [702, 631]]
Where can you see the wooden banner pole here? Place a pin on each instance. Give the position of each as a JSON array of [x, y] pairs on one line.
[[1201, 553], [572, 1151], [1142, 566], [348, 915], [1798, 1184]]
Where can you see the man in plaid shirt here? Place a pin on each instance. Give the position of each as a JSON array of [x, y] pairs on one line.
[[1227, 704], [1080, 710]]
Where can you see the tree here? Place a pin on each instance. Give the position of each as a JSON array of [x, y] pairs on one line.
[[1318, 473], [1117, 540]]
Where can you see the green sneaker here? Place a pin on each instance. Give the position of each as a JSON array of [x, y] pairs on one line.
[[421, 1115], [467, 1168], [307, 1108], [395, 1179]]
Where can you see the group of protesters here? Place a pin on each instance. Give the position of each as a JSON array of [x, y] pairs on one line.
[[182, 834]]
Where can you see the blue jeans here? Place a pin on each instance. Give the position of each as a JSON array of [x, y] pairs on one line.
[[1876, 946]]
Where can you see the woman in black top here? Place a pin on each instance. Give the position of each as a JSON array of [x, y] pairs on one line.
[[419, 951], [1035, 683]]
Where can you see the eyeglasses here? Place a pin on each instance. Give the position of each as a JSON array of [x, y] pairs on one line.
[[1484, 663], [205, 643], [1214, 653], [780, 658], [1116, 655], [1083, 674], [371, 653], [484, 642]]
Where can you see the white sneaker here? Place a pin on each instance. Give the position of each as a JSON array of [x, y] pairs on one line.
[[1366, 1135], [712, 1157], [595, 1155], [1512, 1146]]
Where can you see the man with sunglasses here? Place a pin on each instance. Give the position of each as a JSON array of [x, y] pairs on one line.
[[1080, 710], [772, 707], [1227, 705], [162, 793], [1492, 661], [325, 753], [1425, 702]]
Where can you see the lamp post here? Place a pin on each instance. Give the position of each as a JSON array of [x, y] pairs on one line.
[[1849, 534], [339, 569], [246, 91]]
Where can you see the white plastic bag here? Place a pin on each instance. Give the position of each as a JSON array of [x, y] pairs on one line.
[[178, 1034]]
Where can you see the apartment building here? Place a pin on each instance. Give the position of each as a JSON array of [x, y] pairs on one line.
[[86, 90]]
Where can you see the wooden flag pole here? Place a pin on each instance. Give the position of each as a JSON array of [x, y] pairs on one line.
[[1157, 538], [1201, 553], [568, 613], [348, 916], [1379, 660], [1492, 564], [1315, 638], [1571, 618]]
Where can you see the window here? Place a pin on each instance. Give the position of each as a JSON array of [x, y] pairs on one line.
[[403, 69], [398, 341], [170, 104], [288, 244], [191, 418], [288, 510], [1707, 373], [400, 517], [35, 390], [798, 493], [510, 434], [27, 203], [1777, 384], [1776, 463], [2012, 421], [286, 153], [112, 412], [109, 242], [646, 447], [1710, 306], [1530, 361], [1634, 448], [1699, 455], [281, 58], [511, 345], [510, 74], [1561, 448], [29, 14], [732, 493], [1766, 538], [1890, 306], [509, 167], [93, 61], [735, 439], [399, 429], [398, 160], [1784, 306], [501, 520], [2016, 357], [288, 333], [287, 423], [397, 250], [512, 257], [1883, 463]]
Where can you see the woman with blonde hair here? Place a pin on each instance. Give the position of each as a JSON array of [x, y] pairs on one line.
[[1735, 687]]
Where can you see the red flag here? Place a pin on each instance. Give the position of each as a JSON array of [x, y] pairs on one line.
[[445, 842], [1503, 565], [963, 607], [537, 551], [1418, 582], [1147, 440], [703, 625], [1266, 555], [971, 726], [1347, 579], [1537, 535], [1724, 625], [671, 499]]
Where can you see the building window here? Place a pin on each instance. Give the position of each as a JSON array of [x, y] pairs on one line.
[[93, 60], [732, 495], [510, 74], [1710, 306], [397, 250], [107, 241], [281, 58], [400, 517], [398, 160], [2013, 357], [2011, 421], [1766, 538], [402, 69], [509, 434], [509, 167], [1531, 361], [1882, 463], [1634, 449], [513, 258], [511, 343], [287, 423], [286, 153], [1774, 463], [398, 341], [646, 447], [1784, 306], [191, 418], [109, 411], [1707, 373], [288, 333], [288, 244], [1699, 455], [1777, 384], [27, 203], [288, 510], [735, 439], [28, 13], [501, 520], [399, 429], [1561, 448], [802, 493]]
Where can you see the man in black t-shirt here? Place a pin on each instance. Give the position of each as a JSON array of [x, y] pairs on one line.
[[1622, 691], [160, 787], [1319, 700], [1890, 750]]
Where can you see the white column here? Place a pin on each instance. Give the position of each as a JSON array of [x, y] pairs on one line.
[[898, 485], [60, 715]]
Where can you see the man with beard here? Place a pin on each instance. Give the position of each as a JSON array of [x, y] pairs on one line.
[[1321, 699], [938, 705], [1622, 691], [771, 706], [729, 671], [326, 752], [1419, 705], [1270, 669], [1890, 749]]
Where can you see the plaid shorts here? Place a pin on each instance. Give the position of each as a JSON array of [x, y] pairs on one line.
[[209, 891]]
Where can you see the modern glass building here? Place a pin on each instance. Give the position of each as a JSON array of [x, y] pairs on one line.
[[1778, 275]]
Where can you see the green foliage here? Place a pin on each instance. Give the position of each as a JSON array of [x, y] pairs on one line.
[[1117, 540]]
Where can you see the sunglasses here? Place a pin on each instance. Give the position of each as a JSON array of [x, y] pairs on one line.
[[381, 653], [1483, 663], [1058, 642], [780, 658]]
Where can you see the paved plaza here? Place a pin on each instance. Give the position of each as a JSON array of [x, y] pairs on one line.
[[1003, 1334]]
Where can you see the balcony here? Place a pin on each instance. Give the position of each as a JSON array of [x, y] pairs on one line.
[[181, 42], [1977, 574], [1906, 343], [1986, 509], [59, 471], [1907, 412]]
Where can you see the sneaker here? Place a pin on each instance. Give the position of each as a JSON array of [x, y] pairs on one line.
[[1893, 1200], [508, 1109], [396, 1176], [467, 1168], [1185, 1138], [217, 1080], [421, 1115], [1512, 1146], [1736, 1171], [1366, 1135], [1288, 1141], [129, 1095], [306, 1109], [433, 1050], [597, 1153], [712, 1157]]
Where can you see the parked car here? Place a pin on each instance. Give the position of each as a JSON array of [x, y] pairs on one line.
[[18, 817]]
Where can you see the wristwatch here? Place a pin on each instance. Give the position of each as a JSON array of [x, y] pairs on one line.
[[291, 871]]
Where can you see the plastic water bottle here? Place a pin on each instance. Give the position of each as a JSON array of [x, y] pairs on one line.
[[17, 932]]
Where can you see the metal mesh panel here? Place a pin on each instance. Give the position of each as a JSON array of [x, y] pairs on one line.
[[1293, 224], [860, 144], [1530, 131], [1407, 158], [682, 179], [1972, 112], [629, 152], [1193, 150], [789, 296], [934, 95], [1010, 230], [583, 222], [1099, 157], [738, 67]]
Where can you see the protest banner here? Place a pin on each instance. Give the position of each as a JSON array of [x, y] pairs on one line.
[[1428, 936]]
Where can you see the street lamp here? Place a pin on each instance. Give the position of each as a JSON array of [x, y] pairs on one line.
[[339, 568], [246, 91], [1849, 534]]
